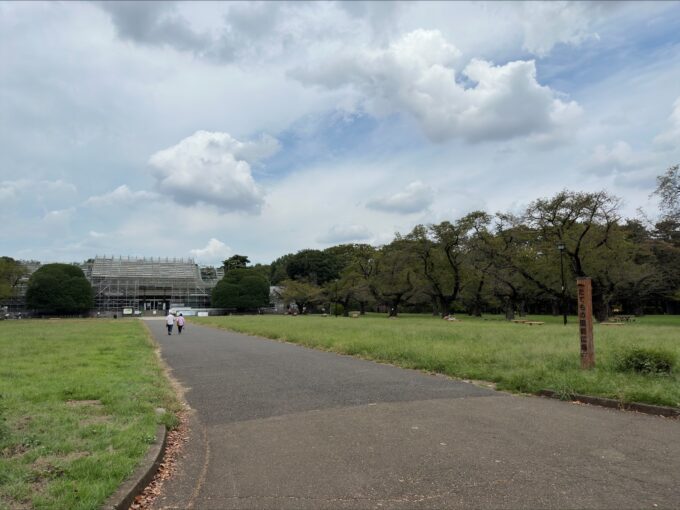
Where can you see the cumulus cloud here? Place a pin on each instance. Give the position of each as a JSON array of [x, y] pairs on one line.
[[214, 252], [345, 234], [416, 75], [670, 137], [212, 168], [122, 195], [415, 198]]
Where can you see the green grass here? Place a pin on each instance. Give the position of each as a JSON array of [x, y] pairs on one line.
[[516, 357], [77, 409]]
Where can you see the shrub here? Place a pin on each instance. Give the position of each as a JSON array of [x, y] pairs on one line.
[[645, 361]]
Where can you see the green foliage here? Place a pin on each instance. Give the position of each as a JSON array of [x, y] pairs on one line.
[[313, 266], [11, 271], [236, 262], [241, 288], [304, 294], [645, 360], [59, 289]]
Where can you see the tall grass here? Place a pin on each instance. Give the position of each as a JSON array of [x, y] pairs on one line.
[[77, 409], [516, 357]]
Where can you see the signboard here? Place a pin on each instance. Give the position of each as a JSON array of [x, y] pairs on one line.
[[127, 311], [202, 314], [585, 321]]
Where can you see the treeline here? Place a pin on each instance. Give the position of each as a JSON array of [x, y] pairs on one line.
[[504, 262]]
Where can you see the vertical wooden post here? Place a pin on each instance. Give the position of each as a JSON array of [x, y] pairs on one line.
[[585, 321]]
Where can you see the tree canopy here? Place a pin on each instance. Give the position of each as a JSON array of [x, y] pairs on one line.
[[241, 288], [11, 272], [60, 289]]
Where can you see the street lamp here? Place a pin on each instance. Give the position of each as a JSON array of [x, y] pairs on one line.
[[561, 247]]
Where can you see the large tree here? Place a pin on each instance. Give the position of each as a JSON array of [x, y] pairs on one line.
[[241, 288], [11, 272], [60, 289]]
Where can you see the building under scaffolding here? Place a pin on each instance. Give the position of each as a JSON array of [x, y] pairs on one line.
[[141, 285]]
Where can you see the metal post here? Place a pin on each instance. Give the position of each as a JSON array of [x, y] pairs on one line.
[[561, 247]]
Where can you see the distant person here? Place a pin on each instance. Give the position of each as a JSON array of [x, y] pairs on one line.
[[170, 322], [180, 324]]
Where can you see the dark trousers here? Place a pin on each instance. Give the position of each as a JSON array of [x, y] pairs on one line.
[[169, 329]]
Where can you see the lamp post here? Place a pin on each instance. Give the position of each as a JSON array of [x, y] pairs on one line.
[[561, 247]]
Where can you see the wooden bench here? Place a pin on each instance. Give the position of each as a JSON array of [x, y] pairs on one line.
[[533, 323], [612, 324], [354, 315], [519, 321]]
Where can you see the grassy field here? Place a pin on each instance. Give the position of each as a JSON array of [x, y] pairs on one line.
[[516, 357], [77, 409]]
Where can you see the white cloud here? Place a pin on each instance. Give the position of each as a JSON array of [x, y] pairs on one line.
[[122, 195], [416, 75], [212, 168], [670, 137], [546, 24], [338, 234], [415, 198], [213, 253]]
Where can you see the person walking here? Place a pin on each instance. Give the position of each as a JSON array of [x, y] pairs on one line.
[[180, 324], [170, 322]]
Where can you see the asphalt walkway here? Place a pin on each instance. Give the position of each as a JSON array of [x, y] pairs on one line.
[[278, 426]]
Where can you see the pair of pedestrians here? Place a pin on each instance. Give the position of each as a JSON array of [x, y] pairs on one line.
[[170, 322]]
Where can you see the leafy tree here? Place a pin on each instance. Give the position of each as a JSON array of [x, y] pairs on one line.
[[313, 266], [277, 269], [668, 190], [59, 289], [393, 281], [303, 293], [235, 262], [11, 272], [241, 288]]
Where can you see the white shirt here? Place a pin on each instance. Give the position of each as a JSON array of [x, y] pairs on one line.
[[170, 319]]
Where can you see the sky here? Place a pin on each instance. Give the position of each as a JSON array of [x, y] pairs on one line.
[[203, 130]]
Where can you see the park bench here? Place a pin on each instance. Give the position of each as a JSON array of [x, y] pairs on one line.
[[622, 318], [519, 321], [533, 323], [611, 323], [354, 315]]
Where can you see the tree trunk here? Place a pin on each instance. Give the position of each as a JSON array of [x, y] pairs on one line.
[[522, 308], [362, 307], [509, 310], [345, 307], [555, 308], [600, 308]]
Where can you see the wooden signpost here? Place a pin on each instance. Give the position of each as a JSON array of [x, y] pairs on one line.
[[585, 321]]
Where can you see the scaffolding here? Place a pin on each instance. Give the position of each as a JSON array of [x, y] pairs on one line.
[[145, 284]]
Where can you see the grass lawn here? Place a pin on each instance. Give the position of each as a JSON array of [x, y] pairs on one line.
[[77, 409], [516, 357]]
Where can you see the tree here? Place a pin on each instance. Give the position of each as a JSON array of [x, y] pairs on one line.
[[313, 266], [11, 272], [392, 281], [584, 224], [303, 293], [668, 190], [241, 288], [60, 289], [235, 262]]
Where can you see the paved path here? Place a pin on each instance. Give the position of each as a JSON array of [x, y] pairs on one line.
[[284, 427]]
